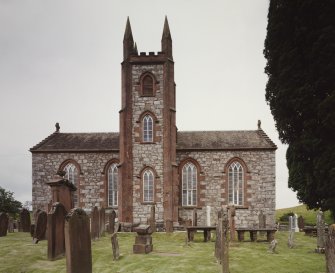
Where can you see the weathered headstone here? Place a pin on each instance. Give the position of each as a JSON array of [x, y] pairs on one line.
[[231, 218], [320, 226], [218, 237], [102, 220], [10, 224], [95, 223], [25, 220], [224, 241], [195, 217], [290, 241], [330, 250], [143, 240], [78, 242], [3, 224], [115, 246], [40, 227], [295, 221], [272, 246], [152, 218], [301, 223], [55, 231], [111, 222]]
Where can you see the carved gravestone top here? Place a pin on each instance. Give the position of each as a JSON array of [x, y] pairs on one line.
[[3, 224], [40, 226], [95, 230], [143, 230], [25, 220]]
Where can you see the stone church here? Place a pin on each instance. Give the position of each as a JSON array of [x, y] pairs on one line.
[[149, 162]]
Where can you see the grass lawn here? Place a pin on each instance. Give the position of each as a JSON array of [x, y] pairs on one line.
[[19, 255]]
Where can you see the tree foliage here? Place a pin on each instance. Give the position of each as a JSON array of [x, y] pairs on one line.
[[8, 203], [300, 53]]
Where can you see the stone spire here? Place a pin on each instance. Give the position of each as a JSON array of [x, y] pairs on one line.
[[128, 41], [167, 40]]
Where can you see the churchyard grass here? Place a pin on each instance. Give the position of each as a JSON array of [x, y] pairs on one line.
[[19, 255]]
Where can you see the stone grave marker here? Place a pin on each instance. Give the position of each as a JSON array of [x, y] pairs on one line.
[[111, 222], [232, 214], [115, 246], [10, 224], [290, 241], [218, 238], [25, 220], [95, 224], [152, 218], [330, 250], [78, 242], [102, 220], [301, 222], [320, 227], [40, 226], [224, 240], [195, 217], [143, 240], [272, 246], [4, 219], [55, 231], [295, 223]]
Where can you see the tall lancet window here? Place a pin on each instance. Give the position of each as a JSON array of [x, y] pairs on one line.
[[189, 185], [112, 185], [235, 184], [147, 129], [72, 176], [148, 186]]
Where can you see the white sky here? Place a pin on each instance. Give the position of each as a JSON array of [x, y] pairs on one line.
[[60, 62]]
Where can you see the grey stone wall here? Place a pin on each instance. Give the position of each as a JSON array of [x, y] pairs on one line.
[[147, 154], [92, 179], [259, 191]]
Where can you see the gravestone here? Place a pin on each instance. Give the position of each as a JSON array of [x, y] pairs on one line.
[[218, 238], [195, 217], [25, 220], [224, 240], [95, 224], [102, 220], [115, 246], [320, 227], [143, 240], [301, 223], [3, 224], [291, 230], [40, 226], [272, 246], [55, 231], [295, 221], [330, 250], [232, 214], [10, 224], [78, 242], [152, 218], [111, 222]]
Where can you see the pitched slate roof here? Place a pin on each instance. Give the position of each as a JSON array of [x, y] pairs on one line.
[[192, 140], [78, 142]]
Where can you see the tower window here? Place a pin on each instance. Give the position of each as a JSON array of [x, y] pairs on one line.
[[147, 86], [147, 129]]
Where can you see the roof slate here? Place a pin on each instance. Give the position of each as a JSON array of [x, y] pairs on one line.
[[192, 140]]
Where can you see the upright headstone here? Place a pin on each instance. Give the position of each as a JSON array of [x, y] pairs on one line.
[[320, 226], [115, 246], [195, 217], [231, 218], [102, 220], [290, 242], [78, 242], [95, 223], [301, 223], [111, 222], [152, 218], [218, 237], [330, 250], [224, 241], [55, 231], [295, 221], [25, 220], [40, 226], [208, 215], [3, 224], [10, 224]]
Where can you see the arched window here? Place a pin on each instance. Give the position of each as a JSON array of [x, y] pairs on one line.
[[147, 86], [235, 184], [112, 185], [72, 176], [189, 185], [147, 129], [148, 186]]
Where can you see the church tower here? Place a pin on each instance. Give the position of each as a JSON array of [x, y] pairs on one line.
[[148, 170]]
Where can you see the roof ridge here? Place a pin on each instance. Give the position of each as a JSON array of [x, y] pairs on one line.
[[266, 137], [212, 131]]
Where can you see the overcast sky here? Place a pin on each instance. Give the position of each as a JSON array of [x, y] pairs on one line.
[[60, 62]]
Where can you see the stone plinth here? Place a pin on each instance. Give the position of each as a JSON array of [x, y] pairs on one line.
[[61, 191], [143, 240]]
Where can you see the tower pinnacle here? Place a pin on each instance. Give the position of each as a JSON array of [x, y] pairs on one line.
[[166, 39]]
